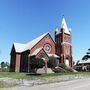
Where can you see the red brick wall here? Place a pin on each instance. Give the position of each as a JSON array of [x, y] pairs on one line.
[[17, 66], [67, 38], [65, 49], [46, 57], [46, 40]]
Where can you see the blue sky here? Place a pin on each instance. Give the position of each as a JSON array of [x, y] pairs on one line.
[[23, 20]]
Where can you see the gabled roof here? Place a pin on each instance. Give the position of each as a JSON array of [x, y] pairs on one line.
[[84, 61], [54, 55], [35, 41], [23, 47], [36, 51], [19, 47]]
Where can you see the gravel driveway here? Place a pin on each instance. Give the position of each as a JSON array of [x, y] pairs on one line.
[[78, 84]]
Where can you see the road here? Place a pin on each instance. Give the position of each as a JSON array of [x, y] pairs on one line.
[[79, 84]]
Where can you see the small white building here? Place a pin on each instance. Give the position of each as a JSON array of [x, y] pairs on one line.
[[85, 64]]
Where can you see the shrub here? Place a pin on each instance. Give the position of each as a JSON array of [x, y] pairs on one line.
[[62, 65], [52, 62], [36, 63]]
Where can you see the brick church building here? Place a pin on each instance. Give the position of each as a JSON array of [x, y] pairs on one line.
[[44, 45]]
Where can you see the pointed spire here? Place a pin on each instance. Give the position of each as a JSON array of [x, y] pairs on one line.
[[64, 25]]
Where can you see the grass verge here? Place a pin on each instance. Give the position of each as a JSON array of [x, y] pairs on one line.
[[44, 77], [29, 75]]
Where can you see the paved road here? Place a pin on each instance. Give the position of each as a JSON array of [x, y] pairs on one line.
[[79, 84]]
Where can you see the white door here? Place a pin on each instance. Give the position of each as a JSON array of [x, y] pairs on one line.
[[67, 62]]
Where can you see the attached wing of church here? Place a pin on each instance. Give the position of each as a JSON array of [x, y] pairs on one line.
[[44, 45]]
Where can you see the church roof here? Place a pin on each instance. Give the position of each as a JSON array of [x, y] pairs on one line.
[[64, 26], [39, 49], [36, 51], [35, 41], [23, 47], [19, 47], [54, 55], [84, 61]]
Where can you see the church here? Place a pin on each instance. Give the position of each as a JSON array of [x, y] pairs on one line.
[[44, 45]]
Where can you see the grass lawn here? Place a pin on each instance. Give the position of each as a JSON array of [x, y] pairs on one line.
[[13, 75], [38, 76], [28, 75]]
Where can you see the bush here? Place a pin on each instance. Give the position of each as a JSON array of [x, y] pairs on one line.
[[66, 68], [52, 62], [62, 65], [36, 63]]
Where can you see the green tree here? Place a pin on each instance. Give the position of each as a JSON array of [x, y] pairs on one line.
[[73, 62], [7, 65], [87, 56], [52, 62], [36, 64], [62, 65], [77, 63], [3, 64]]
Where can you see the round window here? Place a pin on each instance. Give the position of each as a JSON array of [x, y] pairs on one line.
[[47, 48]]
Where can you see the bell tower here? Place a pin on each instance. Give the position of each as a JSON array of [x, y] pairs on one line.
[[63, 39]]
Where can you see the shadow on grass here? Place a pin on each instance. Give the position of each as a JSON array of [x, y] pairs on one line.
[[33, 74]]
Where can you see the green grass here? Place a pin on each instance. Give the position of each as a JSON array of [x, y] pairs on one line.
[[27, 75], [14, 75], [37, 76]]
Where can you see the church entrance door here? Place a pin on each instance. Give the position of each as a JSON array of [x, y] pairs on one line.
[[67, 62]]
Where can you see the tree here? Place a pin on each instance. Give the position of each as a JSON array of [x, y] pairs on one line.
[[73, 62], [62, 65], [3, 64], [36, 63], [7, 65], [52, 62], [88, 51], [77, 63], [87, 56]]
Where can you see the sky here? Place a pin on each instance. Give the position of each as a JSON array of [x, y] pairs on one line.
[[23, 20]]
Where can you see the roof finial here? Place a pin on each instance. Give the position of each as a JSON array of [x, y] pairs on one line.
[[63, 15]]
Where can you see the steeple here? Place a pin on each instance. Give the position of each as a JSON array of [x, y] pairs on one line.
[[63, 43], [64, 26]]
